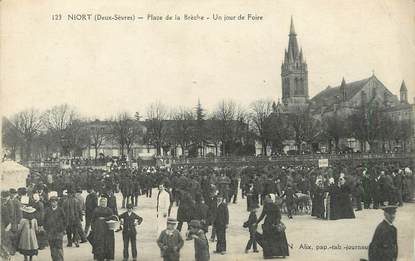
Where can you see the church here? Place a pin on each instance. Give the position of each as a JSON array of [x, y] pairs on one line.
[[342, 100]]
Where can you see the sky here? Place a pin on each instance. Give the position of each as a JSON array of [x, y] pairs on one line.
[[103, 68]]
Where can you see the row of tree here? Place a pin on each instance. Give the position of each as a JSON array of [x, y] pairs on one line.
[[229, 128]]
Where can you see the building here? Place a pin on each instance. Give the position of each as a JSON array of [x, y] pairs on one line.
[[339, 101], [294, 75]]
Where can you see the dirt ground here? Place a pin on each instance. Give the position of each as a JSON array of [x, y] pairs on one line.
[[309, 238]]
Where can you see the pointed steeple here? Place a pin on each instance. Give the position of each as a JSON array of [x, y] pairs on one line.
[[292, 42], [285, 56], [403, 87], [301, 55], [403, 93], [294, 72], [343, 90], [292, 29], [343, 84]]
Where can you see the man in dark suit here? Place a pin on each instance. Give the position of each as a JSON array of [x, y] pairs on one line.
[[55, 224], [91, 202], [129, 220], [384, 245], [221, 221], [398, 185]]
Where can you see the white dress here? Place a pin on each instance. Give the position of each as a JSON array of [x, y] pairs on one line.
[[163, 203]]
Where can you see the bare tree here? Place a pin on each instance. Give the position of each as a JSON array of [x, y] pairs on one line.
[[77, 137], [334, 128], [11, 137], [28, 124], [182, 128], [97, 136], [57, 120], [132, 136], [119, 130], [199, 134], [261, 111], [156, 132], [230, 123], [306, 128], [277, 130]]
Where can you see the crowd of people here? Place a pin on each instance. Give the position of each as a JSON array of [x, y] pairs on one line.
[[52, 207]]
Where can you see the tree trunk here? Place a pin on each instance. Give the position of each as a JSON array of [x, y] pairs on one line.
[[264, 148], [329, 145], [28, 149], [337, 141], [182, 146]]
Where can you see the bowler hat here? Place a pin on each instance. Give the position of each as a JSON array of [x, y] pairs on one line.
[[391, 209], [195, 223], [129, 206], [53, 198], [22, 191]]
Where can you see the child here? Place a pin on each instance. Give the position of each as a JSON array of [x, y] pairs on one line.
[[251, 224], [290, 198], [170, 241], [129, 220], [201, 243]]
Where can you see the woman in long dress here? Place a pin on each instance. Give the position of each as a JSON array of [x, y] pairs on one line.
[[273, 240], [102, 237], [317, 209], [28, 245], [344, 202]]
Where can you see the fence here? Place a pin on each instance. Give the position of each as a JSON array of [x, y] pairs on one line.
[[248, 160], [311, 158]]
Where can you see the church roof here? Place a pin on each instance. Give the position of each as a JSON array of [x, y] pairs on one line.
[[331, 94], [400, 107]]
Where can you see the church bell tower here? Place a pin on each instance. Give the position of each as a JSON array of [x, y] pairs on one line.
[[294, 73]]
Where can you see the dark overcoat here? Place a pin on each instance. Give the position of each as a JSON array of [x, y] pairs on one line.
[[384, 245]]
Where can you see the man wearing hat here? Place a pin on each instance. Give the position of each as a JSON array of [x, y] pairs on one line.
[[163, 203], [170, 241], [129, 220], [384, 245], [73, 214], [201, 243], [54, 225], [220, 222]]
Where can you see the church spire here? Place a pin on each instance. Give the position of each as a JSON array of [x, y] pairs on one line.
[[343, 89], [403, 93], [403, 87], [292, 29], [292, 43], [294, 74]]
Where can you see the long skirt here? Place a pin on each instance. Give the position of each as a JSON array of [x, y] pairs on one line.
[[273, 242], [102, 240]]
